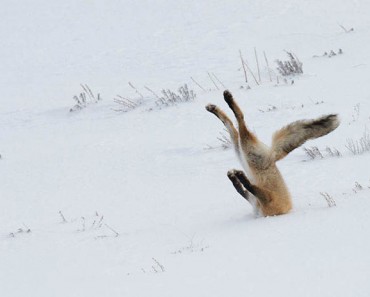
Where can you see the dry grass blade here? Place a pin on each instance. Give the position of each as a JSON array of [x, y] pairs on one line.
[[329, 199]]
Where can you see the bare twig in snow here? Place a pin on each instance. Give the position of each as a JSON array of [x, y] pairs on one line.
[[210, 77], [198, 84], [63, 217], [258, 66], [251, 72], [151, 91], [159, 265], [268, 67], [243, 64], [345, 29], [110, 228], [214, 75], [136, 90]]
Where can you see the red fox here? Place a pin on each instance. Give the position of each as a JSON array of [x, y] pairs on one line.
[[270, 195]]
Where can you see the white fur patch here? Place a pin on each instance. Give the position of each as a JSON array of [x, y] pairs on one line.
[[253, 201]]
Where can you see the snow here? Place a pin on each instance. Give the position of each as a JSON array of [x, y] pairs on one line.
[[77, 179]]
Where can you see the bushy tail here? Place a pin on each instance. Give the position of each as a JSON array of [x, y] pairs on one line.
[[295, 134]]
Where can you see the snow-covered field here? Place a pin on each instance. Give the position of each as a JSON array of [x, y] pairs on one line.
[[97, 202]]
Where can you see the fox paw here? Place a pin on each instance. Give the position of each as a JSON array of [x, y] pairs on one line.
[[228, 97], [231, 173], [211, 108]]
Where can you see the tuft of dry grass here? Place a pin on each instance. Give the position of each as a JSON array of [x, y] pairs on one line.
[[169, 98], [360, 146], [224, 142], [315, 153], [85, 98], [292, 66]]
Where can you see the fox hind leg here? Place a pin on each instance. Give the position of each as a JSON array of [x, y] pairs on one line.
[[255, 153], [244, 188], [256, 191], [244, 133], [228, 124], [238, 185]]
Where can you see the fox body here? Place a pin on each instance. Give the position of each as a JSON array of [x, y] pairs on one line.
[[267, 191]]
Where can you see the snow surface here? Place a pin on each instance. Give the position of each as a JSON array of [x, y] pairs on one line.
[[147, 175]]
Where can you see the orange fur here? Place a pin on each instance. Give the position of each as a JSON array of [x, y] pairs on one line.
[[270, 193]]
